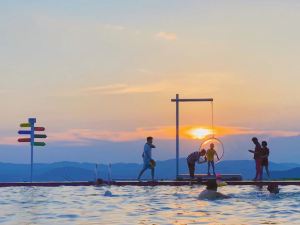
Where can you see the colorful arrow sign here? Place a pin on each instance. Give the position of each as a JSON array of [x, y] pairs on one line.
[[40, 136], [39, 143], [24, 140], [39, 129], [24, 132], [31, 139], [25, 125]]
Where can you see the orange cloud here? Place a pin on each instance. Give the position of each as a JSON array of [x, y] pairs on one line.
[[166, 36], [87, 136]]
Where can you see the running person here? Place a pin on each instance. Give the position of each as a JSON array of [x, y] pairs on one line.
[[147, 158]]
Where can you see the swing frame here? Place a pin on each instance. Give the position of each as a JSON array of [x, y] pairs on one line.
[[177, 100]]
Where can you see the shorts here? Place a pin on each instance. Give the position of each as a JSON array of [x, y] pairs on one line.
[[265, 162]]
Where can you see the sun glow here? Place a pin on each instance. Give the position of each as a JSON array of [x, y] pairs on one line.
[[199, 133]]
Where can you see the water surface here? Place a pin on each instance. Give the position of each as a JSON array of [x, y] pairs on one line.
[[147, 205]]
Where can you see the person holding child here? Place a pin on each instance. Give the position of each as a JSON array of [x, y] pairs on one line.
[[193, 158]]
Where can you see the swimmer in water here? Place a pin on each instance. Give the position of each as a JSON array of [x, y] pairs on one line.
[[211, 192]]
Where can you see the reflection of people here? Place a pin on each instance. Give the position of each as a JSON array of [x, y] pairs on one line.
[[210, 155], [211, 192], [257, 158], [265, 157], [193, 158], [149, 163], [273, 188]]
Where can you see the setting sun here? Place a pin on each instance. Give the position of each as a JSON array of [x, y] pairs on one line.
[[199, 133]]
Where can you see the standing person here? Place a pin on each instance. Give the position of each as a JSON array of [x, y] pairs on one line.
[[265, 157], [193, 158], [149, 163], [257, 158], [210, 155]]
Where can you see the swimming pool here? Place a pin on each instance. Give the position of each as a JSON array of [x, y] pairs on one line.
[[147, 205]]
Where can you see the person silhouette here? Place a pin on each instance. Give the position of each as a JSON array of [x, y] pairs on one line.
[[149, 163]]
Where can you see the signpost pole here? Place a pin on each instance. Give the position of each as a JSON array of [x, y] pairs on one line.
[[33, 136], [32, 121]]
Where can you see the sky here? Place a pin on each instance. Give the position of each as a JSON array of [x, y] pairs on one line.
[[99, 75]]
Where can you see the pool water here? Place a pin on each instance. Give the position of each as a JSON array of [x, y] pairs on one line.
[[147, 205]]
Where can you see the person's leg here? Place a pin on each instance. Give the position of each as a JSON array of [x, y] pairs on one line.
[[208, 167], [141, 173], [259, 168], [256, 169], [267, 170], [213, 167], [192, 173], [152, 173]]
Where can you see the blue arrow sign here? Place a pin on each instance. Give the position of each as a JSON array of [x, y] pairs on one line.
[[24, 132]]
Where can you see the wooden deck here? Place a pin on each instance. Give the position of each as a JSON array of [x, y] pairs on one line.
[[143, 183]]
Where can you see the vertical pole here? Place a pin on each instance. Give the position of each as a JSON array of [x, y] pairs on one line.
[[32, 122], [177, 136]]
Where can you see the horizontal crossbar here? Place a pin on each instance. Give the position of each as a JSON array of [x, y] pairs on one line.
[[193, 100]]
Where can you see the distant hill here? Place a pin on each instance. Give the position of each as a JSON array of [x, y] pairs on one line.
[[73, 171], [287, 174]]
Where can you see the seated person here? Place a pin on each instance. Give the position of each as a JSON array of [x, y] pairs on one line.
[[211, 191], [193, 158]]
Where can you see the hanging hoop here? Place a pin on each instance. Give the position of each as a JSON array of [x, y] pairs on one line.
[[219, 147]]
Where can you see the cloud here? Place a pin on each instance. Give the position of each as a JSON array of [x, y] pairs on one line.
[[87, 137], [114, 27], [115, 89], [166, 36]]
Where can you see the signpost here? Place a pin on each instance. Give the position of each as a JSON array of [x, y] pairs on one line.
[[31, 139]]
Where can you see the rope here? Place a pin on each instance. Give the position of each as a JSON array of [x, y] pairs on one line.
[[212, 120]]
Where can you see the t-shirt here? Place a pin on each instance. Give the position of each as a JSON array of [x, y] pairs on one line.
[[193, 157], [147, 155], [265, 152], [257, 152], [210, 154]]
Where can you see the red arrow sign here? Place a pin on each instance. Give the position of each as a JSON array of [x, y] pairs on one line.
[[39, 129], [24, 140]]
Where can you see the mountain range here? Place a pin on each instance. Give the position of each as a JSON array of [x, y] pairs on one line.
[[73, 171]]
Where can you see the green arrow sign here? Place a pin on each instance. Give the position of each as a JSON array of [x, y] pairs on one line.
[[39, 143], [40, 136]]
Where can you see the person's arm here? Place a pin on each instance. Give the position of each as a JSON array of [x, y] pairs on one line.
[[217, 155], [251, 151]]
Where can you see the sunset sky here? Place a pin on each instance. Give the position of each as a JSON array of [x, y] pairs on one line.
[[99, 75]]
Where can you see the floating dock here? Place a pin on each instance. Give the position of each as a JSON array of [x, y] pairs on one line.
[[142, 183], [224, 177]]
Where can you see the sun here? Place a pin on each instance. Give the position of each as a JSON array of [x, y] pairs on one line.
[[199, 133]]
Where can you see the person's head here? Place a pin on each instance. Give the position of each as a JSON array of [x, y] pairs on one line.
[[264, 144], [202, 152], [212, 145], [254, 140], [149, 140], [273, 188], [212, 185]]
